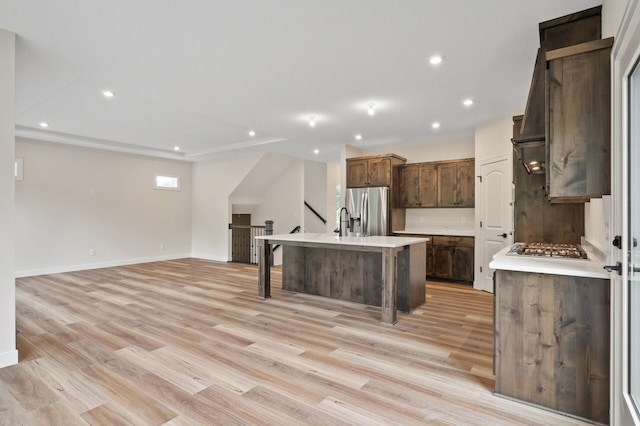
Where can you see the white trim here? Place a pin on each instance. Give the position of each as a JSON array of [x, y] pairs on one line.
[[86, 266], [8, 358], [208, 257]]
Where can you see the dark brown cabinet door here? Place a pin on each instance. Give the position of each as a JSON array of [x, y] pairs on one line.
[[428, 185], [357, 174], [447, 191], [579, 121], [409, 186], [466, 184], [462, 265], [379, 172], [442, 262]]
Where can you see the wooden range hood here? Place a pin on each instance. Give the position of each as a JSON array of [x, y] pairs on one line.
[[530, 145]]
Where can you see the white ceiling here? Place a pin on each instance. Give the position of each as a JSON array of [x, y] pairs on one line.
[[200, 74]]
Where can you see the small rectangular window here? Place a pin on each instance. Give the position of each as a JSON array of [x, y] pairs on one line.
[[17, 169], [167, 182]]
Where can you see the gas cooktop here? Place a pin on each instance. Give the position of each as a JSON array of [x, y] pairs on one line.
[[562, 251]]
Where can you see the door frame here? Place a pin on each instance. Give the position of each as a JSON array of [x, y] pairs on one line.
[[479, 204], [625, 54]]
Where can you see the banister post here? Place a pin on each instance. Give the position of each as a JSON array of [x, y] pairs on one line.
[[268, 227]]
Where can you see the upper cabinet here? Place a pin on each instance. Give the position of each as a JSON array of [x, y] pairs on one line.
[[372, 170], [419, 185], [438, 184], [579, 121], [456, 184], [568, 110]]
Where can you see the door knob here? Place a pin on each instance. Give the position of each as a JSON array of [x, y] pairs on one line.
[[503, 235]]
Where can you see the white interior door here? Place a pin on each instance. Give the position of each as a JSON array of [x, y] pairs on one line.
[[496, 217]]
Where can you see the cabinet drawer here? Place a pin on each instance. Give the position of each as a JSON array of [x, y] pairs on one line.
[[448, 240]]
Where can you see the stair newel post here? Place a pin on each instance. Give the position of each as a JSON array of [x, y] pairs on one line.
[[265, 260]]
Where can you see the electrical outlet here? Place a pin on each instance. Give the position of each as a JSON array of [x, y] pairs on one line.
[[463, 219], [161, 246], [92, 252]]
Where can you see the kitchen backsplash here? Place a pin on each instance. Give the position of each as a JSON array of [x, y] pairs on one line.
[[439, 218]]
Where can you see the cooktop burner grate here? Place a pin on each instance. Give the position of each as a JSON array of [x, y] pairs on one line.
[[564, 251]]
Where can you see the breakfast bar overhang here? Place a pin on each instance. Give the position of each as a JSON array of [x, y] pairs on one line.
[[377, 270]]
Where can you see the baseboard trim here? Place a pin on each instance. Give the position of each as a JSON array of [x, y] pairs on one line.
[[207, 257], [71, 268], [8, 358]]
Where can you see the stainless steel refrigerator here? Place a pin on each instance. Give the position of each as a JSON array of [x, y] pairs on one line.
[[368, 210]]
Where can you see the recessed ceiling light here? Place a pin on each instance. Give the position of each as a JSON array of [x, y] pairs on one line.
[[316, 151], [358, 136], [435, 59], [467, 102], [252, 133], [371, 108], [108, 93], [44, 124], [312, 121], [436, 125], [176, 148]]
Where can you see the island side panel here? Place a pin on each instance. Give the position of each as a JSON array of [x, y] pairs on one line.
[[411, 271], [417, 273]]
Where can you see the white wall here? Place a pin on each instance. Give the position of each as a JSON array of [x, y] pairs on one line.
[[333, 180], [8, 352], [283, 203], [315, 193], [213, 183], [493, 139], [73, 200]]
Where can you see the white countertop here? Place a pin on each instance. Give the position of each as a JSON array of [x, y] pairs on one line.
[[462, 232], [592, 267], [377, 241]]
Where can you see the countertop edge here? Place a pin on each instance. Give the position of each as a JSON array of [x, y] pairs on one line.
[[436, 231], [575, 268]]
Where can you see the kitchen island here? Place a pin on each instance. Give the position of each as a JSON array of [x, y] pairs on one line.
[[551, 333], [378, 270]]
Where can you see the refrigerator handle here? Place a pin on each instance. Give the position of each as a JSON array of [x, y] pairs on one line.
[[365, 214]]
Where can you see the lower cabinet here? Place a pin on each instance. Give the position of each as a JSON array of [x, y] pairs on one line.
[[551, 342], [450, 257], [453, 257]]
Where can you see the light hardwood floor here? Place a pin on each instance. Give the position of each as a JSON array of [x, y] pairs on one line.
[[188, 342]]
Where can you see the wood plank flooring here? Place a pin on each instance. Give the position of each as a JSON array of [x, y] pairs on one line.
[[188, 342]]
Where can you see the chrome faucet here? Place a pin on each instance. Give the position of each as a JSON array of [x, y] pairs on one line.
[[344, 223]]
